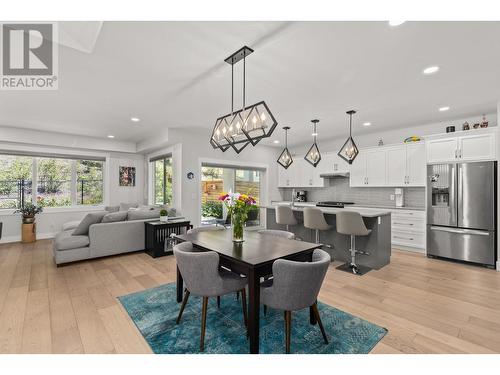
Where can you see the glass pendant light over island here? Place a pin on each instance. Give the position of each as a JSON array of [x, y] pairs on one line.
[[285, 159], [349, 150], [313, 156], [248, 125]]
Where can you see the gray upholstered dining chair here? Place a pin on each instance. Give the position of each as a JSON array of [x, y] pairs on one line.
[[277, 233], [212, 228], [203, 278], [295, 287]]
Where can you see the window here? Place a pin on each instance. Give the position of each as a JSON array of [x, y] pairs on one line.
[[59, 182], [162, 172], [15, 180], [215, 180]]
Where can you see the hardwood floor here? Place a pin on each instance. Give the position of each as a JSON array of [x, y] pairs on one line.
[[428, 306]]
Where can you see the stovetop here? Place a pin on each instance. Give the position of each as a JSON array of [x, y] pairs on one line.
[[333, 204]]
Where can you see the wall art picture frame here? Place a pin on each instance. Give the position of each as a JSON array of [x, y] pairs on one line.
[[127, 176]]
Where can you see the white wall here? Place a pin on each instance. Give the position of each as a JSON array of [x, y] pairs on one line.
[[190, 148], [125, 194]]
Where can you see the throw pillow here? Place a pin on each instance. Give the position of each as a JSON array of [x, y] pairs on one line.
[[114, 217], [112, 208], [126, 206], [88, 220]]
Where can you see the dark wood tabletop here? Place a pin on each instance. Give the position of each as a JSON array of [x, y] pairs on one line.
[[253, 258], [255, 250]]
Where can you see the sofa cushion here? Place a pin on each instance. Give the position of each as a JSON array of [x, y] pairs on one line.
[[148, 207], [112, 208], [67, 241], [114, 217], [143, 214], [126, 206], [88, 220], [70, 225]]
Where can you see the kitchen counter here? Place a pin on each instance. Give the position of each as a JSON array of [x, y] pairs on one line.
[[363, 211], [411, 208]]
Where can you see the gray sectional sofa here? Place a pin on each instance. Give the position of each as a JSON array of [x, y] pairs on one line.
[[73, 243]]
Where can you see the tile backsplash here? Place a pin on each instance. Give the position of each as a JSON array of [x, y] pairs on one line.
[[339, 190]]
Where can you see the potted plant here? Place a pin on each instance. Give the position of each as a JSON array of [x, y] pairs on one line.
[[29, 211], [238, 206], [163, 215]]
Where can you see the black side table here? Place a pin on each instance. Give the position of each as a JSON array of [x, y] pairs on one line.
[[159, 232]]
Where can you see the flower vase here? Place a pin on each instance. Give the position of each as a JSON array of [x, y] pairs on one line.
[[237, 224]]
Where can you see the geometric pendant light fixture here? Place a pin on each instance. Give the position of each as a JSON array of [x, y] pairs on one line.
[[285, 159], [313, 156], [349, 150], [246, 126]]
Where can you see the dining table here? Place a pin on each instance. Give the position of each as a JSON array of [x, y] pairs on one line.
[[253, 258]]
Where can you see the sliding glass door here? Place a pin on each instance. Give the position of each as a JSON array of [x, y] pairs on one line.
[[216, 180]]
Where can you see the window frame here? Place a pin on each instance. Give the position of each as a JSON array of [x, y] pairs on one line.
[[152, 179], [73, 182]]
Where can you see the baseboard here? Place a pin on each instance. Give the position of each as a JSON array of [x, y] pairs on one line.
[[407, 248], [39, 236]]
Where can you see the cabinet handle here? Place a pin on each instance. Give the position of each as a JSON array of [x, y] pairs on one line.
[[403, 223], [460, 153], [404, 238]]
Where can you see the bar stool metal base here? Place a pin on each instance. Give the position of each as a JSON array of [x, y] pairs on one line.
[[360, 270]]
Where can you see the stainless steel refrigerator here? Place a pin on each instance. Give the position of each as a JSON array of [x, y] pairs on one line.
[[461, 211]]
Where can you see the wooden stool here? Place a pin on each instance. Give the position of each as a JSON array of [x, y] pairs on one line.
[[29, 233]]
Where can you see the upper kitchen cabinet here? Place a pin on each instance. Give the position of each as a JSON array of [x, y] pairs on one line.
[[470, 145], [406, 165], [368, 169], [300, 174]]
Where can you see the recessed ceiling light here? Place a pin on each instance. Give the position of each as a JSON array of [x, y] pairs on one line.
[[367, 123], [431, 70], [396, 23], [111, 136], [276, 141], [443, 109], [135, 119]]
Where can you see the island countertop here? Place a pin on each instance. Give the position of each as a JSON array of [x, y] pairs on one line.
[[365, 212]]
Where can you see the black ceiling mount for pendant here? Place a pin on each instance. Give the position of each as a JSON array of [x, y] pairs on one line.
[[246, 126], [349, 150], [285, 159], [313, 155]]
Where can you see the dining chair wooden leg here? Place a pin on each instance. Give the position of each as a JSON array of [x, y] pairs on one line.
[[288, 329], [203, 323], [265, 309], [238, 295], [320, 323], [244, 306], [218, 302], [184, 302]]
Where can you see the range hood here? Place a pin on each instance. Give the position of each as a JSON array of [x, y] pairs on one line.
[[335, 175]]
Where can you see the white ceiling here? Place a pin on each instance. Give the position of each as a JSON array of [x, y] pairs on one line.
[[172, 74]]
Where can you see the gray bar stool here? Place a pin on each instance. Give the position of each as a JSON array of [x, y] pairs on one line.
[[351, 223], [315, 220], [284, 216]]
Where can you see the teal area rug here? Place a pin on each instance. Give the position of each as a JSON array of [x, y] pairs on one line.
[[154, 311]]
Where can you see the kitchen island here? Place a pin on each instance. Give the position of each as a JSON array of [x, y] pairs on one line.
[[377, 243]]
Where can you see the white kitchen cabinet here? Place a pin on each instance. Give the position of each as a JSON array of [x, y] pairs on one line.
[[357, 176], [477, 147], [406, 165], [408, 229], [415, 164], [396, 166], [368, 169], [462, 147], [375, 167], [300, 174]]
